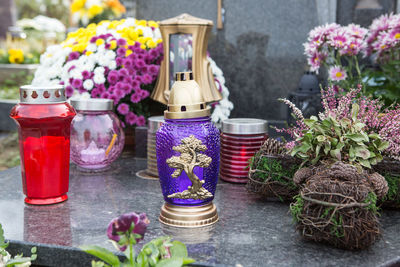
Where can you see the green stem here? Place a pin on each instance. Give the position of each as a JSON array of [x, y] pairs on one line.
[[130, 251]]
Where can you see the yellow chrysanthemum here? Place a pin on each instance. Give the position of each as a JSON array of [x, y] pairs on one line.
[[143, 46], [77, 5], [151, 44], [99, 41], [15, 56], [95, 10], [88, 53], [128, 52], [152, 23], [113, 44], [141, 22]]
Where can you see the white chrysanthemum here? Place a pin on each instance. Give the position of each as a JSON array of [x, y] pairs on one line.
[[99, 78], [99, 70], [91, 47], [88, 84], [112, 65]]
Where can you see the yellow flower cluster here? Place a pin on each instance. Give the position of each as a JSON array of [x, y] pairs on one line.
[[79, 39], [15, 56], [79, 6]]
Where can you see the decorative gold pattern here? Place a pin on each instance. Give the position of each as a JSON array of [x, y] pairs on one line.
[[189, 159], [189, 217]]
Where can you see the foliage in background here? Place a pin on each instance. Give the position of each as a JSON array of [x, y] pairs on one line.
[[126, 231], [383, 46], [9, 151], [17, 56], [51, 8], [19, 260], [9, 88]]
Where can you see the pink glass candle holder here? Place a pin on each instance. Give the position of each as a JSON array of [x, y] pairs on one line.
[[240, 140], [43, 118], [97, 138]]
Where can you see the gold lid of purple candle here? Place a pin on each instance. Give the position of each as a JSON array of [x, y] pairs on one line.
[[185, 99], [30, 94]]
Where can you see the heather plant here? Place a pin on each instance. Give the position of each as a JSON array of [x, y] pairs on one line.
[[339, 139], [378, 119]]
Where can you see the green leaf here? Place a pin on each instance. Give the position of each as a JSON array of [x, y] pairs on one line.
[[321, 138], [17, 260], [317, 149], [359, 126], [362, 152], [365, 163], [187, 260], [354, 111], [374, 136], [356, 137], [101, 253], [141, 259], [336, 154], [178, 249], [327, 148], [309, 122], [171, 262], [3, 244], [383, 146]]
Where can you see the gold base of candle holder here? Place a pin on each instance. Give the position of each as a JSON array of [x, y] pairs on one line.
[[145, 175], [188, 216]]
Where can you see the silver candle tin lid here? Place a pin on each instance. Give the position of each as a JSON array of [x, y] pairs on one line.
[[244, 126], [154, 123], [31, 94], [93, 104]]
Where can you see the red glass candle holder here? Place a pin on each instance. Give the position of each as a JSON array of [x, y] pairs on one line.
[[44, 119], [240, 140]]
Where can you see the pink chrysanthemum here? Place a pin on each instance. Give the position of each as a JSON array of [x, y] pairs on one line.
[[336, 73]]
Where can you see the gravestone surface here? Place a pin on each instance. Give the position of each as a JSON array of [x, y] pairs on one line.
[[259, 49], [252, 231], [7, 16]]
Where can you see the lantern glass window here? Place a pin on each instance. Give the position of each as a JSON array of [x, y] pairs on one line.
[[180, 54]]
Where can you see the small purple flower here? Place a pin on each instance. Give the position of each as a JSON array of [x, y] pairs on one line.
[[153, 69], [122, 73], [123, 109], [85, 74], [147, 79], [112, 77], [105, 95], [139, 63], [119, 93], [154, 53], [141, 121], [131, 118], [101, 88], [69, 91], [138, 79], [73, 56], [135, 98], [128, 63], [93, 39], [121, 42], [119, 61], [94, 93], [135, 84], [119, 226], [107, 46], [121, 52], [71, 68], [144, 94], [128, 79], [77, 83], [144, 69]]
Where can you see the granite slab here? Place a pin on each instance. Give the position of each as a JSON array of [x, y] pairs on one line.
[[251, 231]]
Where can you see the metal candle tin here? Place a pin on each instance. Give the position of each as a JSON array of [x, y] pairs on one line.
[[241, 138]]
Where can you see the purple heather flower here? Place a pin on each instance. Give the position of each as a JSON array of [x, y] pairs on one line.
[[121, 52], [123, 109], [69, 91], [131, 118], [135, 98], [119, 226], [121, 42], [141, 121], [85, 74], [112, 77], [73, 56], [77, 83]]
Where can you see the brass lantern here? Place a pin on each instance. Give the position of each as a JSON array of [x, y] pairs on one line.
[[185, 41]]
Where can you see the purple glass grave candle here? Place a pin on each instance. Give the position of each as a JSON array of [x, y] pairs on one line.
[[187, 147]]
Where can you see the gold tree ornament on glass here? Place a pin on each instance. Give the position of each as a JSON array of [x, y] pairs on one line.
[[185, 41]]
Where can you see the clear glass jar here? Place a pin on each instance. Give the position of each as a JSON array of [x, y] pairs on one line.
[[97, 137]]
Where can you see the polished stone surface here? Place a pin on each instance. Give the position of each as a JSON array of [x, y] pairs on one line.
[[251, 231]]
